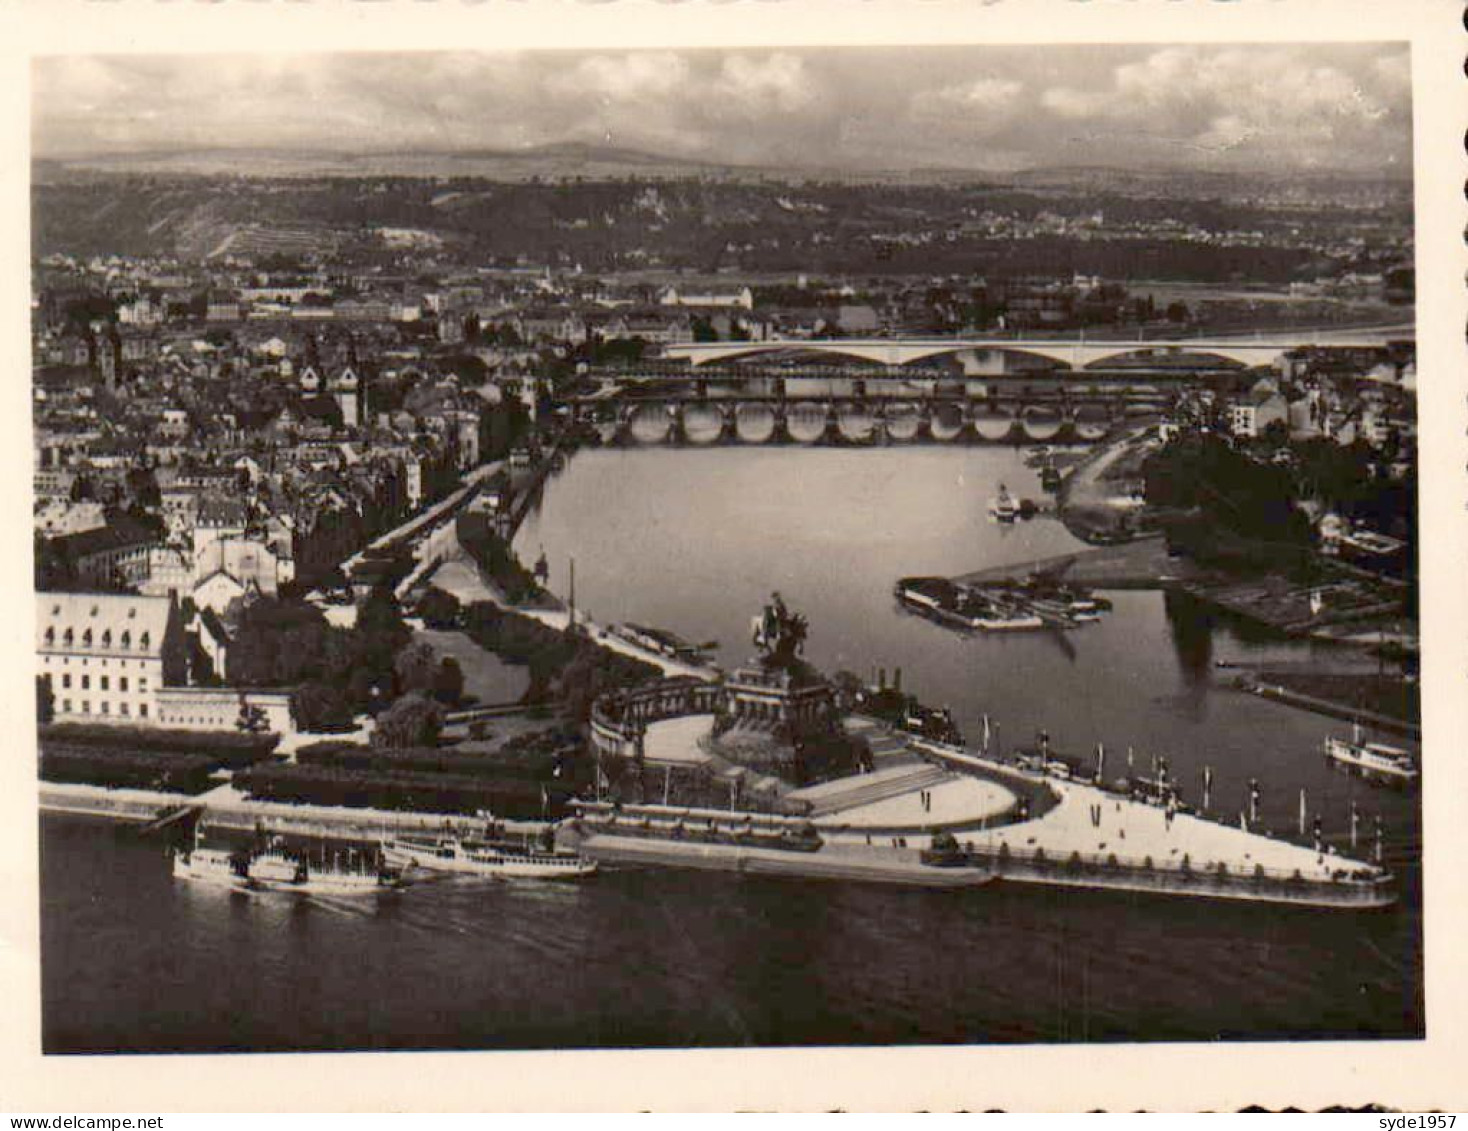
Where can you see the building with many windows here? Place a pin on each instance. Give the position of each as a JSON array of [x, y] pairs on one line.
[[106, 655]]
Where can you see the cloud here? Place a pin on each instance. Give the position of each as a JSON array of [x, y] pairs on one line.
[[630, 77], [778, 83], [1069, 103], [1277, 106], [1249, 100], [983, 96]]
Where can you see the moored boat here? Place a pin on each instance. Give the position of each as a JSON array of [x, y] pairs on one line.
[[1002, 506], [483, 858], [275, 867], [1374, 761]]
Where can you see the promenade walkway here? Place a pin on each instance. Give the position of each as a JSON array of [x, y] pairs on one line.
[[426, 518], [952, 801], [1096, 824], [675, 741], [1089, 822]]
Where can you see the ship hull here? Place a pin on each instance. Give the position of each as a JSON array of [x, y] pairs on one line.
[[221, 869], [491, 863], [1372, 768]]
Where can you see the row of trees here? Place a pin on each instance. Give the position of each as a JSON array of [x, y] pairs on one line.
[[566, 666], [494, 556], [431, 793]]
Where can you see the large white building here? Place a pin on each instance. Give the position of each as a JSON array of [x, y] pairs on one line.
[[106, 655]]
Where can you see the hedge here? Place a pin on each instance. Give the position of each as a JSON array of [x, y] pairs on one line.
[[226, 748], [126, 769], [432, 793], [539, 765]]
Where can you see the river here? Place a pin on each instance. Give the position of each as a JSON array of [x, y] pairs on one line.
[[694, 541]]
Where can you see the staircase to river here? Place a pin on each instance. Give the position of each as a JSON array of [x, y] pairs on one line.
[[867, 789]]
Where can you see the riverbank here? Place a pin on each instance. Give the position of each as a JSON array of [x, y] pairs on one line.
[[1094, 838], [1100, 497], [226, 808], [1143, 563], [832, 861]]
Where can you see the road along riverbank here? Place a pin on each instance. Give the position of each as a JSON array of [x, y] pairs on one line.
[[226, 808]]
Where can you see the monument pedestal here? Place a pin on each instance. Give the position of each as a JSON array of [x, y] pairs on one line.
[[790, 700]]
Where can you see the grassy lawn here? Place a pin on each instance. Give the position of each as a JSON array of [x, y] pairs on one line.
[[487, 678]]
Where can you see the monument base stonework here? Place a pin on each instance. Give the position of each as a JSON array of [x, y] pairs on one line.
[[777, 714]]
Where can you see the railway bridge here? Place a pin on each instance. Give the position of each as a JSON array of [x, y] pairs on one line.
[[990, 355]]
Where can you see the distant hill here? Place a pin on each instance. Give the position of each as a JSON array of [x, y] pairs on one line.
[[581, 161], [563, 161], [609, 209]]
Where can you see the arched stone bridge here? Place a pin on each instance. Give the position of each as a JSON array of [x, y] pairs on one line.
[[852, 420]]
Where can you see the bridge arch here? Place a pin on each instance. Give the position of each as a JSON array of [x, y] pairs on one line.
[[1240, 355]]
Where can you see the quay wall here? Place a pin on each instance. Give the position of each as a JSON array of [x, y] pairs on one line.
[[141, 805], [1327, 707], [1130, 875], [872, 866]]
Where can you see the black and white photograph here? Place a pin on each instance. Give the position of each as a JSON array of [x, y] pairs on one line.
[[730, 547]]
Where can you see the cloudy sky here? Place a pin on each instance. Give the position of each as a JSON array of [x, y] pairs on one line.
[[1273, 106]]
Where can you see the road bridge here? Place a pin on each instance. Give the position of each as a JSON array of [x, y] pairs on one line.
[[982, 354]]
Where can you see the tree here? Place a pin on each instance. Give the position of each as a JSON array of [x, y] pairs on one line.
[[412, 721], [252, 719], [439, 609], [381, 621], [142, 484], [280, 643], [416, 668], [1276, 434], [318, 706], [45, 700], [448, 682]]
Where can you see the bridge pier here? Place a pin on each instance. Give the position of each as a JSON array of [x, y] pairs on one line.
[[856, 423]]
